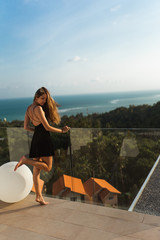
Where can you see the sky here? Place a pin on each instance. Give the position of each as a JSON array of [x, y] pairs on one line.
[[78, 46]]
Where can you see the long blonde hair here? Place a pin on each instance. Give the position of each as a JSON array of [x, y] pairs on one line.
[[50, 107]]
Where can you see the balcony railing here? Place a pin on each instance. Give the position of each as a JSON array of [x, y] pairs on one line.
[[98, 166]]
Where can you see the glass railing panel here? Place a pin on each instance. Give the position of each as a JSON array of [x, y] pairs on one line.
[[15, 142], [97, 166], [4, 150], [18, 143], [119, 157]]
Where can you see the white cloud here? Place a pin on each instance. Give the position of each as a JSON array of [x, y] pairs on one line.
[[77, 59], [115, 9], [114, 22], [96, 80]]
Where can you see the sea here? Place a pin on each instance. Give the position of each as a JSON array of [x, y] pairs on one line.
[[14, 109]]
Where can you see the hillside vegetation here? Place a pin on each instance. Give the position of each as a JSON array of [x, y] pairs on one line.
[[105, 146]]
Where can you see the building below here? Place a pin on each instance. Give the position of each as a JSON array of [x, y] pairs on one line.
[[94, 190]]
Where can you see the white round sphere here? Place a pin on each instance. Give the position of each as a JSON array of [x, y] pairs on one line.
[[14, 185]]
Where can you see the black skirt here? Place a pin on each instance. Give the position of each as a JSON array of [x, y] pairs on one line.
[[41, 145]]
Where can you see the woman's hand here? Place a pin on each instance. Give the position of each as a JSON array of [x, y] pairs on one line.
[[65, 129]]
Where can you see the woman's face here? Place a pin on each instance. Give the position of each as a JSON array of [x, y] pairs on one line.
[[42, 99]]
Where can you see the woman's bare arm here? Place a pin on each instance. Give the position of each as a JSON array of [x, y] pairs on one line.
[[26, 123], [41, 115]]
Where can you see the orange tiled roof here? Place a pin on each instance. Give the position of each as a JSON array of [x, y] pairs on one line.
[[92, 185], [65, 181], [104, 184]]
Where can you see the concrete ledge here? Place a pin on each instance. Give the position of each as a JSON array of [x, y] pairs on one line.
[[66, 220]]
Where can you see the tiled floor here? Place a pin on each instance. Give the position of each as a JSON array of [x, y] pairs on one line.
[[62, 219]]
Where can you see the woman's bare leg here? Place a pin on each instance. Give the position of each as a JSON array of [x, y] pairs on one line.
[[45, 164], [36, 178]]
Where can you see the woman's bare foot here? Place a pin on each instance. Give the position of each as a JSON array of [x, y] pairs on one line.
[[20, 163], [41, 201]]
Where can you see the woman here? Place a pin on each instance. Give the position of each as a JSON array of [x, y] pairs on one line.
[[42, 111]]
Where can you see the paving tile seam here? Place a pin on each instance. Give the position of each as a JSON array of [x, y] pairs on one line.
[[121, 234], [141, 231], [111, 217], [21, 228], [96, 228], [65, 201], [69, 222], [66, 221], [120, 218], [151, 223], [114, 217], [143, 218], [81, 210], [130, 236], [104, 231], [76, 224], [99, 214]]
